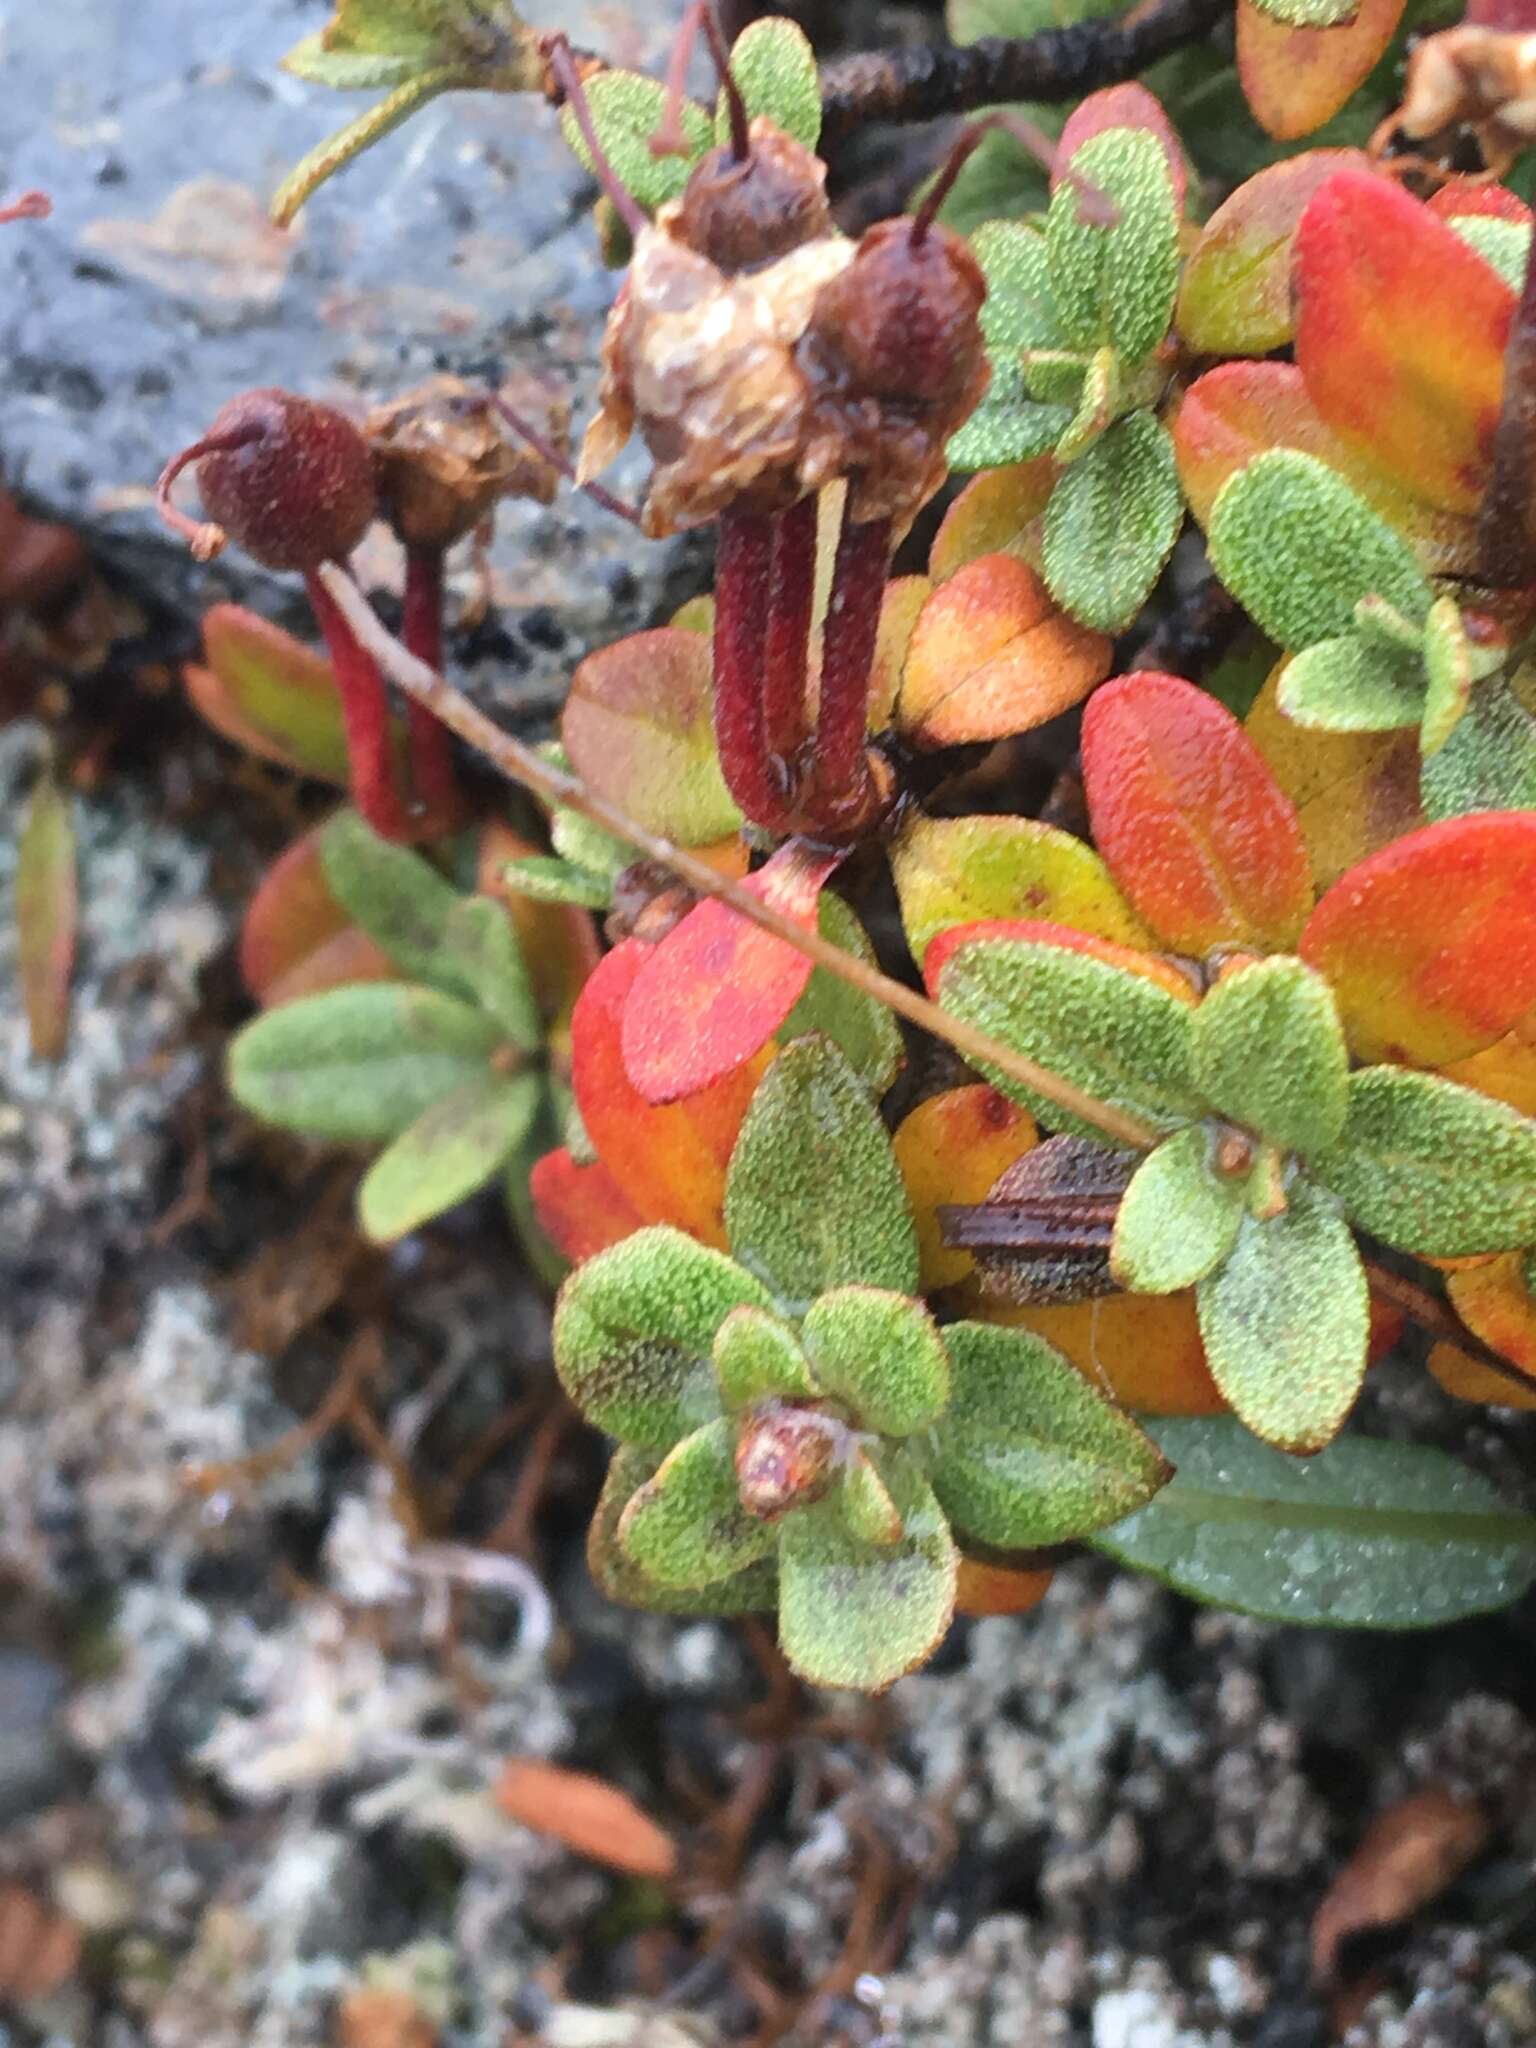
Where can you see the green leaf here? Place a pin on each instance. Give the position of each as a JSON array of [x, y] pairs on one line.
[[627, 109], [349, 142], [859, 1614], [1269, 1053], [1489, 761], [1310, 13], [775, 67], [1118, 1035], [865, 1502], [393, 895], [1451, 666], [754, 1590], [1179, 1216], [865, 1029], [880, 1354], [1112, 522], [479, 947], [1019, 313], [1352, 685], [686, 1526], [1505, 244], [812, 1129], [1364, 1535], [1433, 1167], [450, 1150], [757, 1357], [1029, 1452], [586, 845], [1298, 549], [1117, 284], [1285, 1321], [359, 1063], [634, 1328], [548, 880]]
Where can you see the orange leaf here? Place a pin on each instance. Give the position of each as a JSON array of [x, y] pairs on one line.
[[1494, 1301], [1460, 200], [992, 655], [582, 1210], [270, 694], [1123, 106], [1235, 298], [47, 914], [1235, 412], [998, 1588], [900, 608], [668, 1162], [997, 513], [1466, 1378], [638, 726], [1505, 1070], [951, 1148], [1400, 334], [559, 940], [1407, 1857], [1430, 944], [1353, 791], [296, 940], [1196, 830], [374, 2017], [716, 988], [1144, 1349], [1295, 79], [589, 1815]]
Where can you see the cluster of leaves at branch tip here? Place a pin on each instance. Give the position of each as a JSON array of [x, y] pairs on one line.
[[796, 1429], [1075, 316], [1373, 647], [443, 1068], [1273, 1148]]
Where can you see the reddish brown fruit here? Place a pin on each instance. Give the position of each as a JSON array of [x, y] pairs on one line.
[[786, 1457], [902, 320], [290, 480], [745, 212]]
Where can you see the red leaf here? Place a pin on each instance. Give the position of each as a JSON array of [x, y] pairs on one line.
[[582, 1210], [1198, 833], [587, 1814], [1430, 944], [296, 939], [1295, 79], [668, 1162], [717, 988], [1123, 106], [1460, 200], [1400, 333]]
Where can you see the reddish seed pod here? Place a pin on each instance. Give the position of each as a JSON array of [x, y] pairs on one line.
[[902, 320], [290, 480], [743, 213], [786, 1457]]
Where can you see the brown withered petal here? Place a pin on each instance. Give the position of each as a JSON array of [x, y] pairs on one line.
[[1043, 1233], [786, 1457], [589, 1815], [1407, 1857], [39, 1948], [441, 460]]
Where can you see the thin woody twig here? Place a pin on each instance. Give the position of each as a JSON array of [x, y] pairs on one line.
[[1425, 1308], [522, 765], [916, 82]]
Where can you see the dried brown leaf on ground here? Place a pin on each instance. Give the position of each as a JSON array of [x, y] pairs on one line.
[[1407, 1857], [39, 1948], [377, 2018], [591, 1817]]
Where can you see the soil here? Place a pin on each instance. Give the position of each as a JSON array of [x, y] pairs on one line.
[[254, 1702]]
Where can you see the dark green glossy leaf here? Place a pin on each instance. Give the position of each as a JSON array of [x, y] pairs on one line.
[[1364, 1535]]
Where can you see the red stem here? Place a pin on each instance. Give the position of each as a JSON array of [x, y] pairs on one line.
[[365, 715], [561, 60], [841, 769], [669, 139], [743, 585], [204, 536], [433, 779], [562, 465], [787, 656]]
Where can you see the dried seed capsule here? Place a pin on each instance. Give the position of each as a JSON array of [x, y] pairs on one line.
[[441, 461], [290, 480], [745, 212]]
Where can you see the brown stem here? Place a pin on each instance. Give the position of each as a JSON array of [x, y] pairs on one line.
[[364, 706], [562, 465], [743, 591], [1432, 1313], [566, 74], [669, 139], [556, 787], [840, 762], [791, 601], [433, 780], [205, 537], [1093, 203], [916, 82], [1506, 532]]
